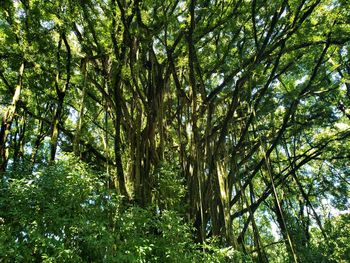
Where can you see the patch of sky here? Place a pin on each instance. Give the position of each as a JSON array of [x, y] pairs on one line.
[[255, 90], [344, 52], [47, 24], [182, 5], [258, 21], [342, 87], [216, 79], [158, 47], [335, 76], [334, 4], [301, 80], [73, 115], [284, 13], [328, 210], [336, 112], [308, 171], [275, 231], [21, 13], [181, 18], [28, 148], [80, 28]]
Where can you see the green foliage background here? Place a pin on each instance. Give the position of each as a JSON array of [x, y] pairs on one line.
[[174, 131]]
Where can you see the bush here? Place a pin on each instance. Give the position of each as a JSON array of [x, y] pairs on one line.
[[63, 213]]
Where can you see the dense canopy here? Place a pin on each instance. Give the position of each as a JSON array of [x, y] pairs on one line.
[[174, 131]]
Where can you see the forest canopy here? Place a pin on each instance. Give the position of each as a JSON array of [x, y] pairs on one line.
[[174, 131]]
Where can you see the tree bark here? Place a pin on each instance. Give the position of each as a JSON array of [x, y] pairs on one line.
[[7, 120]]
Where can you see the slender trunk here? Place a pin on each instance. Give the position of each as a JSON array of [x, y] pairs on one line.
[[225, 201], [7, 120], [76, 142], [117, 145], [61, 93], [18, 141], [55, 129], [116, 85], [281, 219], [259, 245], [39, 138]]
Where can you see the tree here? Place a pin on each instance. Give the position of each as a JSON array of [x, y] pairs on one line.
[[246, 100]]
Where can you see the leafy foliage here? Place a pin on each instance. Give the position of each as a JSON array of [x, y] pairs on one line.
[[174, 131], [63, 213]]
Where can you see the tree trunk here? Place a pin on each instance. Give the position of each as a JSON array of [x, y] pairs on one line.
[[7, 119]]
